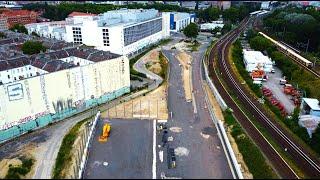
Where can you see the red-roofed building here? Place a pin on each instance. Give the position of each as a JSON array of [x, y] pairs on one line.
[[73, 14], [20, 17]]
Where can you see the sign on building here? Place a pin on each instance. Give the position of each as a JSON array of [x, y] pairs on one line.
[[15, 92]]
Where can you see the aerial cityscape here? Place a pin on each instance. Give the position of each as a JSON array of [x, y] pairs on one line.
[[159, 89]]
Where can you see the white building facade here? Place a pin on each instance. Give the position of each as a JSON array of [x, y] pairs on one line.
[[179, 20], [54, 30], [38, 100], [124, 31], [212, 25], [255, 60]]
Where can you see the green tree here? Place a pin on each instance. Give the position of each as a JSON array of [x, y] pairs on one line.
[[19, 28], [226, 28], [35, 34], [231, 14], [259, 43], [191, 31], [2, 35], [32, 47], [214, 13]]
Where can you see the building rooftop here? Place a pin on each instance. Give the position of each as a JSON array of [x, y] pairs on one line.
[[13, 13], [312, 103], [73, 14], [252, 57]]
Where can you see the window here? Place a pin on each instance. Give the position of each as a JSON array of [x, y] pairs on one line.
[[15, 78], [8, 76], [30, 74]]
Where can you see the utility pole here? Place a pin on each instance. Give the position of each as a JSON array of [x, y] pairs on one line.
[[307, 45]]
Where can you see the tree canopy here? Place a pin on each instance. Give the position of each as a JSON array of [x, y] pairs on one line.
[[61, 11], [19, 28], [191, 31], [32, 47], [296, 26], [2, 35]]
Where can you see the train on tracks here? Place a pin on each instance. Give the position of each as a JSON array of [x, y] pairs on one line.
[[289, 52]]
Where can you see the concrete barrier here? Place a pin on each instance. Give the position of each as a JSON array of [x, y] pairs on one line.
[[221, 102], [231, 158], [85, 150]]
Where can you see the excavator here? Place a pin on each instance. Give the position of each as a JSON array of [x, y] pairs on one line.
[[105, 133]]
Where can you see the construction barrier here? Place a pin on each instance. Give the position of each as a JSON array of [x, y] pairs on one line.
[[233, 163], [89, 140], [43, 121]]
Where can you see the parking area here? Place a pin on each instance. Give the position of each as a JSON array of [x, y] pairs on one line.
[[126, 154], [277, 90]]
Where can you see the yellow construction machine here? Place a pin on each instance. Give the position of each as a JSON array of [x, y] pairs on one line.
[[105, 132]]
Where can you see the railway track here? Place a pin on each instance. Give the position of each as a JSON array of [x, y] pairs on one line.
[[291, 56], [303, 158]]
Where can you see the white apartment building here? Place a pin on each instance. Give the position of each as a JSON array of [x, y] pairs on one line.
[[212, 25], [54, 30], [124, 31], [255, 60], [179, 20]]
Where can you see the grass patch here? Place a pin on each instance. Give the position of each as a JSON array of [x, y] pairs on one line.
[[64, 154], [16, 172], [194, 46], [252, 156], [132, 61], [164, 66]]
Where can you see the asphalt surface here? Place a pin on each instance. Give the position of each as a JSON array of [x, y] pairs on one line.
[[277, 90], [204, 157], [128, 151], [49, 139]]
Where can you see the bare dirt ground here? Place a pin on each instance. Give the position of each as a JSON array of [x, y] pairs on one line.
[[152, 106], [182, 46], [218, 112], [29, 151], [185, 61], [152, 61]]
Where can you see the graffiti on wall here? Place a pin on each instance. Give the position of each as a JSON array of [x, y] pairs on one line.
[[26, 85], [43, 91], [61, 105], [23, 120], [15, 91]]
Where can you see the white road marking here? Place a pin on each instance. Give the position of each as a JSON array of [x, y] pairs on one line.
[[154, 160], [161, 156]]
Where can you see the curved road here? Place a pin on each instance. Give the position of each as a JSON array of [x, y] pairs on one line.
[[302, 157]]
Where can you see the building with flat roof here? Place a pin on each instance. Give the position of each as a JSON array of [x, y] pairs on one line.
[[124, 31], [19, 17], [212, 25], [40, 89], [178, 20], [255, 60], [53, 29]]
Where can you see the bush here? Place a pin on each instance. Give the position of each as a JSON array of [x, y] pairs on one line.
[[32, 47], [237, 57], [19, 28], [135, 59], [164, 66], [15, 172], [251, 154], [64, 154]]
